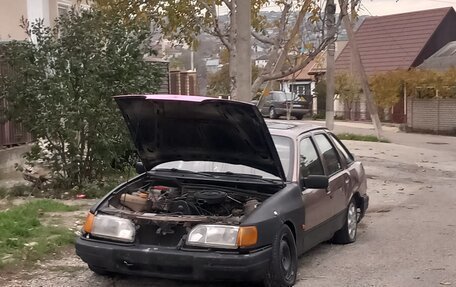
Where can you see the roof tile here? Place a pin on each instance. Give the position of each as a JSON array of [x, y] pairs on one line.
[[393, 41]]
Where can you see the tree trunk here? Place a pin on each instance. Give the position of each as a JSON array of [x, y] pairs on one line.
[[330, 63], [233, 51], [243, 50], [362, 73]]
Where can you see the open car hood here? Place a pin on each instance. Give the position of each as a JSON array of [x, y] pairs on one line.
[[167, 128]]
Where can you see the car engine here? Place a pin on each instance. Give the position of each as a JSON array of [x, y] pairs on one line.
[[190, 200]]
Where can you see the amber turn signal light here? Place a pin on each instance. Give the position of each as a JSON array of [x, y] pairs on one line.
[[88, 223], [247, 236]]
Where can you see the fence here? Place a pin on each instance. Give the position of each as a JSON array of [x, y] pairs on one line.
[[435, 115], [11, 134], [354, 115]]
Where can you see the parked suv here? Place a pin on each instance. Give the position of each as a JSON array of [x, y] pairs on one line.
[[277, 103]]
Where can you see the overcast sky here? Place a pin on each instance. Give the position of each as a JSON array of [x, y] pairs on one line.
[[387, 7]]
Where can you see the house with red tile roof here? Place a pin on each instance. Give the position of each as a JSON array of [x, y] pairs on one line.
[[400, 41]]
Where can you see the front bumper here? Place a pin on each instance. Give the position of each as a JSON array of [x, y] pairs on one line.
[[166, 262]]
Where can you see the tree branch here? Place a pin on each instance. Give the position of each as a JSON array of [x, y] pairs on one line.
[[262, 39], [301, 66], [217, 31]]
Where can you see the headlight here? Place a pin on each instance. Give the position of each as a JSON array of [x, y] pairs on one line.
[[222, 236], [111, 227]]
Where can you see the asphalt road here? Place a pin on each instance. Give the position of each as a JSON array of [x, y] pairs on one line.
[[406, 239]]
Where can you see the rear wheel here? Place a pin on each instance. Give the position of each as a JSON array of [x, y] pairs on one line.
[[272, 113], [347, 234], [299, 117], [284, 262]]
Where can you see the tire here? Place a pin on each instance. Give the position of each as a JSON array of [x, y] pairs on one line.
[[299, 117], [347, 234], [272, 113], [284, 262], [100, 271]]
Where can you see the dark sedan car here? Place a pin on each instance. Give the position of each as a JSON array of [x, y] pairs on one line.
[[278, 102], [223, 195]]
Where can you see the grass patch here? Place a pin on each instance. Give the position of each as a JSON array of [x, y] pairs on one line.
[[365, 138], [23, 239]]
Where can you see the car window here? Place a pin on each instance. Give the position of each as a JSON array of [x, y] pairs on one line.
[[309, 162], [340, 146], [279, 96], [331, 160], [284, 146]]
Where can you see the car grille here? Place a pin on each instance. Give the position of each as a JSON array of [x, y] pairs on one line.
[[147, 234]]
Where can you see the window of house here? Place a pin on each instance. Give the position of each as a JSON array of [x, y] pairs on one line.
[[301, 89], [63, 8], [329, 154], [309, 162]]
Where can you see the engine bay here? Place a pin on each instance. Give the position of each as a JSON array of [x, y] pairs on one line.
[[176, 202]]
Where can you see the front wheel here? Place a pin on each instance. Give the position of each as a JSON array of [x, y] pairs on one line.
[[299, 117], [347, 234], [284, 262]]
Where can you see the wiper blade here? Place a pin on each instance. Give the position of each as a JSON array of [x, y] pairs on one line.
[[229, 173], [182, 171], [243, 175]]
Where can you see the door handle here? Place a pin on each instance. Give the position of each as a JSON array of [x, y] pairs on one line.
[[347, 180]]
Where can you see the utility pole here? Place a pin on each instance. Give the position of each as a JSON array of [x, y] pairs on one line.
[[371, 106], [330, 63], [243, 49]]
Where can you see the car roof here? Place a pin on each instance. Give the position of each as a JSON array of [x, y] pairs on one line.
[[291, 129]]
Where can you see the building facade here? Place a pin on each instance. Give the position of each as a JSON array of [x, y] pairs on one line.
[[12, 11]]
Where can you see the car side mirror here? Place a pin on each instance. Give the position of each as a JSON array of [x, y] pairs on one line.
[[315, 181], [139, 166]]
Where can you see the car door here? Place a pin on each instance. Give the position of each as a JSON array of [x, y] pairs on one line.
[[316, 201], [352, 180], [338, 176]]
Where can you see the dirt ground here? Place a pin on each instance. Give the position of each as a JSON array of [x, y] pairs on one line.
[[406, 239]]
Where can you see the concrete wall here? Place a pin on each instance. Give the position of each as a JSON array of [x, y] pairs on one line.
[[9, 157], [11, 12], [434, 115]]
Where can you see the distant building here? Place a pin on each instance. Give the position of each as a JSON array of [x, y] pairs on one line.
[[443, 59], [213, 65], [400, 41], [11, 12], [261, 61]]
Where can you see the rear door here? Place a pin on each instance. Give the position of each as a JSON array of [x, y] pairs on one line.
[[338, 176], [353, 178]]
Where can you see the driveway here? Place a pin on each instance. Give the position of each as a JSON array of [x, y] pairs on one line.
[[406, 239]]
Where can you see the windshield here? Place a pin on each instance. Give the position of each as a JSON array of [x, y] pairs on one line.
[[283, 146]]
